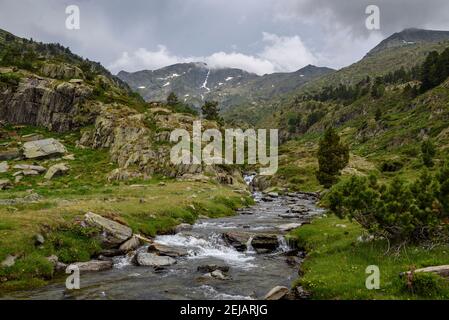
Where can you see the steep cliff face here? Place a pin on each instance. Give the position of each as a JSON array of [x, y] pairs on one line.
[[44, 102]]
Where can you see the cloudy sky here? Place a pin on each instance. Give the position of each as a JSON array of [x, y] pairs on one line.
[[261, 36]]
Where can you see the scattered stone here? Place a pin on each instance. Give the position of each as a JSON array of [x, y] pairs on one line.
[[264, 243], [29, 173], [218, 274], [209, 268], [183, 227], [39, 169], [39, 239], [32, 137], [442, 271], [341, 226], [152, 260], [288, 216], [69, 157], [289, 226], [273, 194], [5, 184], [56, 170], [299, 209], [43, 148], [114, 233], [130, 245], [237, 240], [17, 179], [4, 167], [277, 293], [94, 265], [163, 250], [59, 267], [110, 253], [9, 261], [11, 154]]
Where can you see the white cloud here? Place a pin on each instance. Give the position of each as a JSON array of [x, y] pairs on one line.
[[286, 53], [280, 54], [240, 61]]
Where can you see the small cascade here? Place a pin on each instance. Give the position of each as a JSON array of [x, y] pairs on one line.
[[283, 245], [249, 246], [249, 178]]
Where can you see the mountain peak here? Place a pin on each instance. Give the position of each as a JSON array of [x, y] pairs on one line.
[[411, 36]]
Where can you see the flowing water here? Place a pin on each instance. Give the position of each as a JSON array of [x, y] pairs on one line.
[[251, 274]]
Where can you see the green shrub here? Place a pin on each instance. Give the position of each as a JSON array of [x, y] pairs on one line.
[[10, 78], [391, 166], [400, 212]]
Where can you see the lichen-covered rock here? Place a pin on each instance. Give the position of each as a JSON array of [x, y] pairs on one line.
[[43, 148]]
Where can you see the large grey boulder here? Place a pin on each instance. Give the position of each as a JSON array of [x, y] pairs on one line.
[[113, 233], [56, 170], [43, 148], [94, 265], [163, 250], [152, 260]]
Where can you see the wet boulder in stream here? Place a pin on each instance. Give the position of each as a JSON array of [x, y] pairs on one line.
[[152, 260]]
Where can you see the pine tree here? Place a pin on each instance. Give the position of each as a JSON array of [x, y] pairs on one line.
[[210, 111], [172, 99], [428, 151], [333, 156]]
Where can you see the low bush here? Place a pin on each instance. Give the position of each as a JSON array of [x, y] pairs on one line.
[[400, 212]]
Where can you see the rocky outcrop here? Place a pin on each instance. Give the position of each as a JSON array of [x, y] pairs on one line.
[[140, 151], [61, 71], [44, 102], [113, 233]]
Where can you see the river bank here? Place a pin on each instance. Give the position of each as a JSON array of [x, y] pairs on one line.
[[237, 257], [338, 253]]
